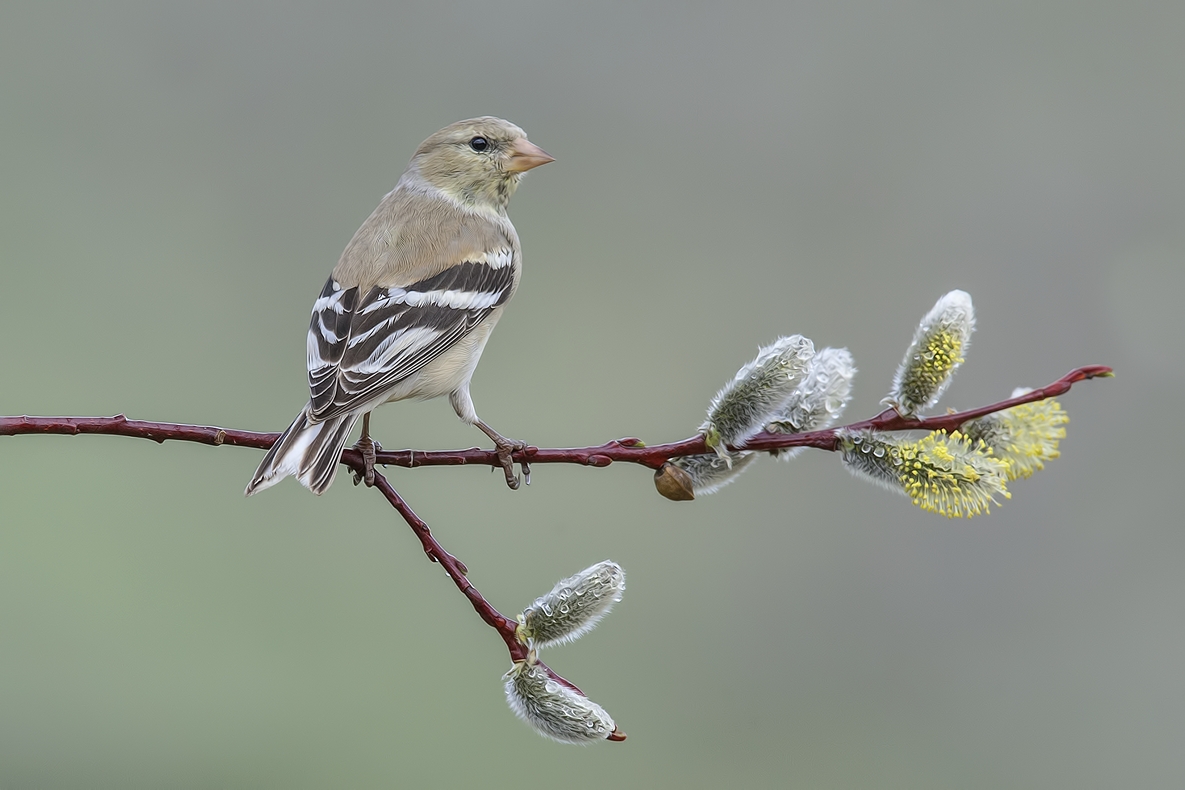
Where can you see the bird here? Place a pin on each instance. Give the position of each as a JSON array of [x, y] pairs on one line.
[[408, 308]]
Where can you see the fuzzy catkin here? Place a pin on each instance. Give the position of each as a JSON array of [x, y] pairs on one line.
[[573, 607], [757, 392], [553, 709], [1025, 436], [819, 401], [710, 472], [951, 475], [939, 346]]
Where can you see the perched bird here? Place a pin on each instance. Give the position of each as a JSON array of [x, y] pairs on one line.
[[411, 303]]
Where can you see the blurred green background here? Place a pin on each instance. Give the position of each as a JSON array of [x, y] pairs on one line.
[[176, 180]]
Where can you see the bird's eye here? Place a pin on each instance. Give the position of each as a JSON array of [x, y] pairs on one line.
[[479, 143]]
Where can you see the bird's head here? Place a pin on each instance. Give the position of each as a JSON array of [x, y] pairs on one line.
[[478, 162]]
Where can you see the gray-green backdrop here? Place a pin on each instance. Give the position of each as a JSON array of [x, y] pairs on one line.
[[176, 180]]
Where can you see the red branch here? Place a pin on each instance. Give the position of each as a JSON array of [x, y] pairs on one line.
[[626, 450], [890, 420], [452, 566]]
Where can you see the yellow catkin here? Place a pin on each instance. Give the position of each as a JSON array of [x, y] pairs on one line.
[[1036, 429], [939, 345], [934, 363], [1026, 436], [952, 476]]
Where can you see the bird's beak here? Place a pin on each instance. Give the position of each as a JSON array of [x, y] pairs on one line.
[[526, 155]]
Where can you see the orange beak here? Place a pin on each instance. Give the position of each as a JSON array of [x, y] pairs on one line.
[[526, 156]]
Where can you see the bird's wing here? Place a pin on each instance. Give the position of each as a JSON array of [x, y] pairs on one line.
[[360, 346]]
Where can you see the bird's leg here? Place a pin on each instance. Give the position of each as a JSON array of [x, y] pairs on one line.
[[367, 447], [506, 449]]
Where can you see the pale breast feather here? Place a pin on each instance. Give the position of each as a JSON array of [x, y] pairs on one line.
[[360, 347]]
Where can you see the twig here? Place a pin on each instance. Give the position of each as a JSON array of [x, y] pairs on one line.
[[456, 569], [624, 450]]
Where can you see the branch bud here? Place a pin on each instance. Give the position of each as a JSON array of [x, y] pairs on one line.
[[757, 392], [674, 483], [553, 709], [950, 475], [819, 401], [573, 607], [1025, 436], [937, 350]]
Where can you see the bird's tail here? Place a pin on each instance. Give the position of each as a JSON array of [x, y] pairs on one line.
[[309, 450]]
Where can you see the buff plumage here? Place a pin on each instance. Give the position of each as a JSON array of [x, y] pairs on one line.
[[408, 309]]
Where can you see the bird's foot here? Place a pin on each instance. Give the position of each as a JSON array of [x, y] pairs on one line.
[[368, 447], [506, 448]]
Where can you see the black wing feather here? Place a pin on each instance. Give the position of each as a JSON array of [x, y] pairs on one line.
[[351, 340]]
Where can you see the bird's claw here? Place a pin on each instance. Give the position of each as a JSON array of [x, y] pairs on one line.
[[506, 450], [367, 447]]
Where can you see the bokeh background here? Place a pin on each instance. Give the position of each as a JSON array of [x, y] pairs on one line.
[[176, 179]]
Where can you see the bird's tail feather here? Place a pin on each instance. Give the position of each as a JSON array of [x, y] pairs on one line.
[[309, 450]]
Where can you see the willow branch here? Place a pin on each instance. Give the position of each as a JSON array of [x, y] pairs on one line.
[[455, 569], [620, 450], [890, 420]]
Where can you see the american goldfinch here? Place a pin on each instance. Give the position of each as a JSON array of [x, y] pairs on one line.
[[411, 303]]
